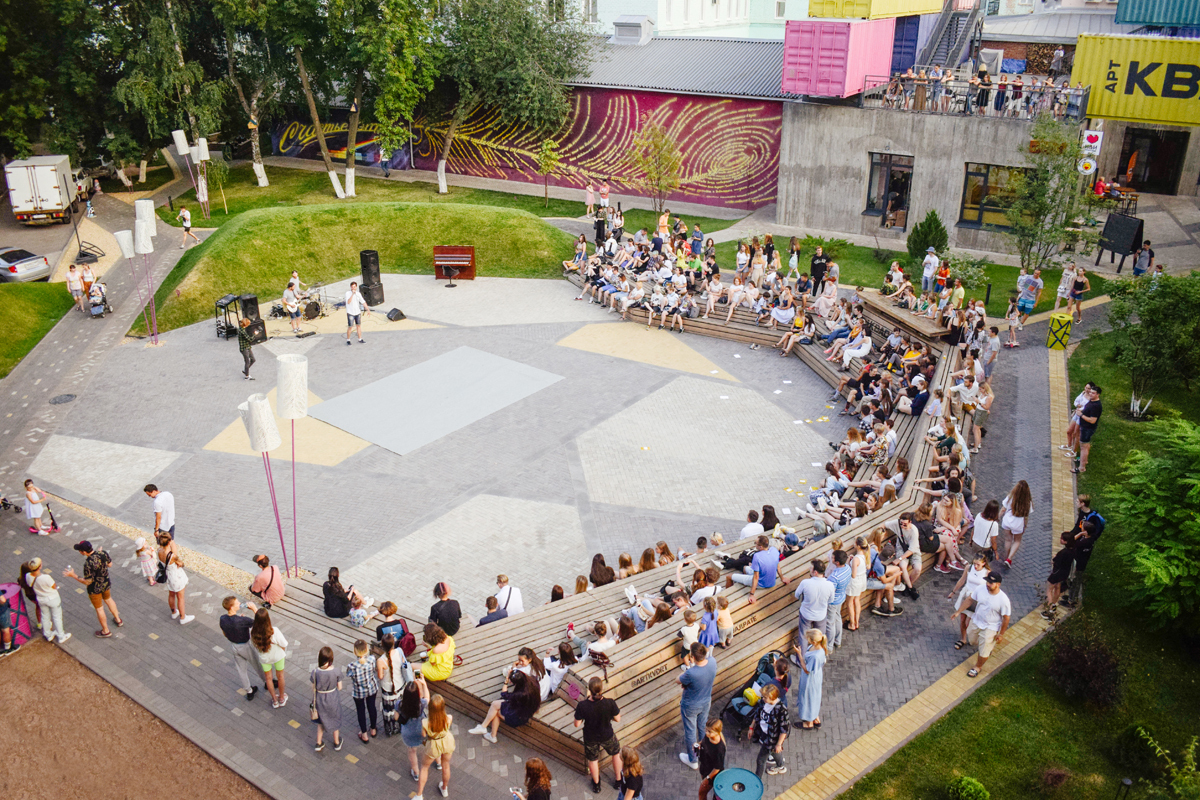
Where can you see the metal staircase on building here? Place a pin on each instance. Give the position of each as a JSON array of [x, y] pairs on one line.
[[952, 34]]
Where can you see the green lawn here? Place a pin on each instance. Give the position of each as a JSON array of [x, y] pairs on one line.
[[258, 250], [1010, 731], [859, 267], [29, 311], [155, 177], [297, 187]]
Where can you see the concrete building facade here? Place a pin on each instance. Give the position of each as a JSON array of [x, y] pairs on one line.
[[757, 19], [877, 172]]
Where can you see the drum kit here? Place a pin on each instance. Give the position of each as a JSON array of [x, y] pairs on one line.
[[315, 303]]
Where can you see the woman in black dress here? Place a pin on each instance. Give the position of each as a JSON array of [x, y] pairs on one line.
[[445, 613], [985, 92]]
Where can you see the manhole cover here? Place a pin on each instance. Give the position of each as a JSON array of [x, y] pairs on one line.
[[62, 398]]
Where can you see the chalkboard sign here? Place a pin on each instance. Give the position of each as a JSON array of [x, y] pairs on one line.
[[1122, 234]]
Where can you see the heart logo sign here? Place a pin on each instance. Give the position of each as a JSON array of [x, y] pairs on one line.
[[1092, 138]]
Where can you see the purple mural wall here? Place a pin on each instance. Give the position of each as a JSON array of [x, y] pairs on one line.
[[730, 147], [299, 140]]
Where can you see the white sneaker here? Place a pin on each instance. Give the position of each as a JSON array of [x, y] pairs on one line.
[[490, 738], [688, 762], [174, 615], [442, 788], [62, 639], [187, 619], [478, 730]]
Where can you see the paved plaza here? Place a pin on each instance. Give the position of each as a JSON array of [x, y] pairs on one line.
[[646, 436]]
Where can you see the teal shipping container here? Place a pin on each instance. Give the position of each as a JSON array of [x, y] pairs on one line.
[[1159, 12]]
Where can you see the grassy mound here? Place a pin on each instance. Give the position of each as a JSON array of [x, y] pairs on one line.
[[299, 187], [29, 311], [257, 250]]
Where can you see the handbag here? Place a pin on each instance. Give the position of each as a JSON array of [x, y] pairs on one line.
[[161, 575], [312, 711]]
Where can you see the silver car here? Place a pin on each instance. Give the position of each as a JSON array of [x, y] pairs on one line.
[[21, 265]]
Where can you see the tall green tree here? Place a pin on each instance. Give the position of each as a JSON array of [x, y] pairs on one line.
[[1156, 506], [27, 59], [167, 87], [658, 160], [1045, 207], [1156, 325], [510, 55], [255, 65]]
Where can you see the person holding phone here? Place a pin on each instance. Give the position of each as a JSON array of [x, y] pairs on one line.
[[537, 782]]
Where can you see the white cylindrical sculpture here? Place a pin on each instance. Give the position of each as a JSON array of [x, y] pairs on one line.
[[142, 243], [260, 423], [125, 242], [202, 147], [292, 398], [181, 145], [145, 211]]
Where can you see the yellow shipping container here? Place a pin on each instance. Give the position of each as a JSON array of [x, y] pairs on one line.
[[1149, 79], [872, 9]]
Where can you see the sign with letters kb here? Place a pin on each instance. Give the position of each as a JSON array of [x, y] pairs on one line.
[[1140, 78]]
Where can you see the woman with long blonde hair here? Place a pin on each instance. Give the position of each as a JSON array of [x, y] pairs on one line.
[[811, 655], [858, 581], [439, 744], [631, 771]]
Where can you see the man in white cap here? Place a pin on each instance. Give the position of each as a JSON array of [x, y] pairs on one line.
[[989, 619], [930, 265]]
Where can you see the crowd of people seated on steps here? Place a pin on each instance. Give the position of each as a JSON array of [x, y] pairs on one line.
[[675, 278]]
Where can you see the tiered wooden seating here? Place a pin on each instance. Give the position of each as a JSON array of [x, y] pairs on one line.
[[885, 310], [644, 672], [454, 257]]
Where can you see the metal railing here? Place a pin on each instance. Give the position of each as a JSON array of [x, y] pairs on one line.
[[962, 98]]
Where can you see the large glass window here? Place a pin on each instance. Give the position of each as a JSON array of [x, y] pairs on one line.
[[888, 188], [987, 192]]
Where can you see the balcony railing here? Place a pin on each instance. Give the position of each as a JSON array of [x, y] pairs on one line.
[[963, 98]]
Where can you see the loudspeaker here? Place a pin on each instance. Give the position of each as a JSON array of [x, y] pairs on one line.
[[370, 267], [249, 304], [257, 331], [372, 293], [395, 315]]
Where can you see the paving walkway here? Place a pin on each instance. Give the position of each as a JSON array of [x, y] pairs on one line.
[[183, 675]]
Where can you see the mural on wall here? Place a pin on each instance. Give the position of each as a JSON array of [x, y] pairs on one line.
[[730, 147], [299, 140]]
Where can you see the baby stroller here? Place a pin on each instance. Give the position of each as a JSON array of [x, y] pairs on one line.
[[739, 711], [98, 296]]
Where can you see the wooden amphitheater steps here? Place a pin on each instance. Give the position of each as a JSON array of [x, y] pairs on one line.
[[643, 678]]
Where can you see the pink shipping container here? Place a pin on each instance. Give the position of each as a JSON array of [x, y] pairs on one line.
[[832, 58]]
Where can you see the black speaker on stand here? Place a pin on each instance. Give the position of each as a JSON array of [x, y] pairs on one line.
[[249, 305], [370, 267], [372, 293]]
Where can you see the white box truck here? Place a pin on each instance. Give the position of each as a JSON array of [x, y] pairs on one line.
[[41, 189]]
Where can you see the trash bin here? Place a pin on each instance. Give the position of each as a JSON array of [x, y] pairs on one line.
[[737, 784], [1060, 331]]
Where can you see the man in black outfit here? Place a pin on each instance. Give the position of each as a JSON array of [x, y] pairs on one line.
[[820, 262], [1089, 420], [597, 714], [600, 227], [237, 630], [246, 345], [1088, 527]]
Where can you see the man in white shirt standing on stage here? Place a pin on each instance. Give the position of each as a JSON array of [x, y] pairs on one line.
[[356, 306]]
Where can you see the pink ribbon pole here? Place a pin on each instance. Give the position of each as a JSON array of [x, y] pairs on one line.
[[275, 506]]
